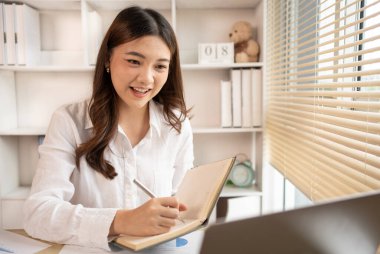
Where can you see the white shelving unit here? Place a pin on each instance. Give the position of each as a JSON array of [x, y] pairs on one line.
[[30, 94]]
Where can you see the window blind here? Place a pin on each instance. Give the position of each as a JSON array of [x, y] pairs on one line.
[[323, 94]]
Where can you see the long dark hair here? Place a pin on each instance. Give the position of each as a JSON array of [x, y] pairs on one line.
[[130, 24]]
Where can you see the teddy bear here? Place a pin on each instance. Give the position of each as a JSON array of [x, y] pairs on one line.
[[246, 49]]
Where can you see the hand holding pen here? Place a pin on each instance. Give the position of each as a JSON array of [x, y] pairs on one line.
[[150, 194], [156, 216]]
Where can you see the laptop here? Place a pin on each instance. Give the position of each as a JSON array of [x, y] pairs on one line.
[[346, 226]]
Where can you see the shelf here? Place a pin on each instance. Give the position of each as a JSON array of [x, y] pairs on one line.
[[12, 204], [116, 5], [225, 130], [59, 5], [23, 132], [231, 191], [21, 193], [155, 4], [46, 68], [221, 66], [57, 68], [216, 4]]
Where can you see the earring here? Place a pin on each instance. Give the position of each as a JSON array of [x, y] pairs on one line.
[[108, 69]]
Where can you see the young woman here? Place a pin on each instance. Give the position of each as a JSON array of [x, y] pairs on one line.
[[135, 126]]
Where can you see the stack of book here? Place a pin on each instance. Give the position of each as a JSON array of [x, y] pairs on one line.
[[20, 35], [241, 104]]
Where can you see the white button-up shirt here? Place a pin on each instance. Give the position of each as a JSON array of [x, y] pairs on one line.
[[77, 206]]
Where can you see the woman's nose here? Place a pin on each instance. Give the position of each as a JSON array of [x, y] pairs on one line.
[[146, 76]]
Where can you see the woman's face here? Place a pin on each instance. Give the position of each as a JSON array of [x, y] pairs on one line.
[[139, 69]]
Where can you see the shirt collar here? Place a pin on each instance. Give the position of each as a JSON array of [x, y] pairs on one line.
[[155, 115], [88, 122]]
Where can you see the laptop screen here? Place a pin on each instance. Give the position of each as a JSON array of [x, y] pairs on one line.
[[347, 226]]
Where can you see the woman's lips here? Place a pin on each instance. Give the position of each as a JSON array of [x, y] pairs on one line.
[[140, 92]]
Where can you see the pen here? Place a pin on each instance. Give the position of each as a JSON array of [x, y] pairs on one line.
[[149, 193], [144, 189], [3, 249]]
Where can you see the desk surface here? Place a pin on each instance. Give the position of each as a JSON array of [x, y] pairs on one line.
[[193, 245], [187, 244]]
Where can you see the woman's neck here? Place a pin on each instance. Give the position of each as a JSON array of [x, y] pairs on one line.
[[134, 122]]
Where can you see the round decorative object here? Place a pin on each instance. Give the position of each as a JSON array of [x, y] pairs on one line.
[[242, 174]]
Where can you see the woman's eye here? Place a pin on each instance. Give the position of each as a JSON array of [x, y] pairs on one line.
[[132, 61], [162, 67]]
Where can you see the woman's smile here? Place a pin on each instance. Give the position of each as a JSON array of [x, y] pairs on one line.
[[139, 91]]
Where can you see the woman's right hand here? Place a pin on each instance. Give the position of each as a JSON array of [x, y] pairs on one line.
[[154, 217]]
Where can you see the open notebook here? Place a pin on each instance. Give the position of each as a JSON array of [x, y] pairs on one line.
[[199, 190]]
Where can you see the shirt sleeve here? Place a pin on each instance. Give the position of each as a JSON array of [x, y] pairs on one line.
[[185, 155], [48, 213]]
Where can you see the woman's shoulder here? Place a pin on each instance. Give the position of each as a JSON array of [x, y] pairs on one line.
[[77, 112]]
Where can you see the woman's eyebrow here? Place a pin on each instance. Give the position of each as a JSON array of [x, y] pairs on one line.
[[134, 53]]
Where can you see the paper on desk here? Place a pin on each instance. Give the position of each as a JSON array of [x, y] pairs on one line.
[[192, 246], [20, 244], [73, 249]]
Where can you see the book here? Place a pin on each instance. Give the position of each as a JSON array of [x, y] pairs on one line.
[[9, 31], [256, 97], [236, 97], [199, 190], [2, 39], [226, 103], [27, 29], [246, 94]]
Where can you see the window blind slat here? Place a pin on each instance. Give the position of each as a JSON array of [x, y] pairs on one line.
[[280, 108], [283, 44], [292, 65], [326, 182], [347, 176], [370, 140], [373, 105], [346, 154], [367, 84], [330, 76], [320, 93], [316, 50], [328, 68], [329, 132], [323, 95]]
